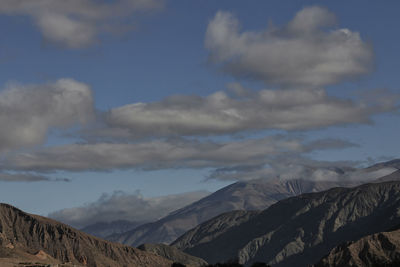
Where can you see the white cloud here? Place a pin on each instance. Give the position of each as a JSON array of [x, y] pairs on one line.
[[76, 23], [302, 53], [123, 206], [220, 113], [28, 112]]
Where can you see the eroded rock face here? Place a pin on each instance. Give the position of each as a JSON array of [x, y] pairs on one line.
[[173, 254], [33, 234], [381, 249], [300, 230]]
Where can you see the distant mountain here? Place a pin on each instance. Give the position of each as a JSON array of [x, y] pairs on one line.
[[378, 250], [173, 254], [395, 163], [253, 195], [104, 229], [299, 230], [30, 237]]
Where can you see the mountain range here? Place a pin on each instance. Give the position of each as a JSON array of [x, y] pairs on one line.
[[270, 221], [299, 230], [251, 195]]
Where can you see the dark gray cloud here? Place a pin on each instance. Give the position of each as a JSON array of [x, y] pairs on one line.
[[302, 53], [77, 23], [28, 112], [243, 110], [123, 206]]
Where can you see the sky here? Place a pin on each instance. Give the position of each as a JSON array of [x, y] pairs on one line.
[[129, 109]]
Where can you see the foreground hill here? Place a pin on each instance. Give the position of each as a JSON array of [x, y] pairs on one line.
[[31, 237], [378, 250], [300, 230], [253, 195]]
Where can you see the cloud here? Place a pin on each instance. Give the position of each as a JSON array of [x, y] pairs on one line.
[[27, 177], [243, 110], [123, 206], [163, 154], [28, 112], [299, 166], [287, 167], [302, 53], [76, 23]]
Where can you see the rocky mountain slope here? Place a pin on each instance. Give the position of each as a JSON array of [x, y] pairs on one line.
[[213, 228], [300, 230], [173, 254], [23, 234], [379, 250], [253, 195], [104, 229]]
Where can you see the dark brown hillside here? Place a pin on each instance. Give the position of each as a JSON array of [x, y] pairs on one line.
[[23, 232], [380, 250]]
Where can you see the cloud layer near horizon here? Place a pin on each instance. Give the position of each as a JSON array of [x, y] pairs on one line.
[[244, 110], [123, 206], [164, 154], [77, 23], [302, 53]]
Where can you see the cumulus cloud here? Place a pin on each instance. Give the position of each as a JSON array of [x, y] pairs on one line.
[[28, 112], [28, 177], [76, 23], [302, 53], [243, 110], [163, 154], [123, 206]]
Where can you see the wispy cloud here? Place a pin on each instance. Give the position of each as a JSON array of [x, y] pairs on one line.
[[302, 53], [123, 206], [77, 23], [28, 177]]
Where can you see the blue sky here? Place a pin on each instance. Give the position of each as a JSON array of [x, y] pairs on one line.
[[71, 74]]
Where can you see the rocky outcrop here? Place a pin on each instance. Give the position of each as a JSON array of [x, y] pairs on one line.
[[381, 249], [39, 236], [173, 254], [300, 230], [252, 195]]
